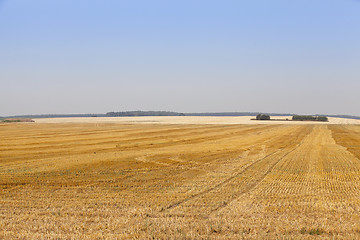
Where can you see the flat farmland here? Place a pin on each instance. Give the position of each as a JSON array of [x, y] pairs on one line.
[[161, 181]]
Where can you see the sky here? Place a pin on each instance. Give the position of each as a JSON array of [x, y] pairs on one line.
[[97, 56]]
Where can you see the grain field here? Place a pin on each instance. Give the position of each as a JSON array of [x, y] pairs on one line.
[[159, 181]]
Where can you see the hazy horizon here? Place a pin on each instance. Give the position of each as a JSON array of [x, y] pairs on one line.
[[78, 57], [272, 114]]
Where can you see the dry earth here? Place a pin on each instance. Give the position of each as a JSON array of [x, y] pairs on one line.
[[123, 181]]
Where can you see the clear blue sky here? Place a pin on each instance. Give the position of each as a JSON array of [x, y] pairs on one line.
[[95, 56]]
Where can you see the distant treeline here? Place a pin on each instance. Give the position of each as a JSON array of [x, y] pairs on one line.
[[13, 120], [309, 118], [165, 113], [142, 114], [145, 113]]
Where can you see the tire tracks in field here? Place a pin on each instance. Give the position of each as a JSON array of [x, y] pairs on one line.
[[218, 185], [251, 186], [232, 178], [192, 165], [176, 170]]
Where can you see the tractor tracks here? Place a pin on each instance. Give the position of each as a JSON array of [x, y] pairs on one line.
[[225, 198], [251, 186]]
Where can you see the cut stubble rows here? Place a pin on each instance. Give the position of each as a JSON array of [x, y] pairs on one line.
[[82, 180]]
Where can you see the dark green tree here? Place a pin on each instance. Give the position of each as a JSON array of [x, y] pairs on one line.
[[262, 117]]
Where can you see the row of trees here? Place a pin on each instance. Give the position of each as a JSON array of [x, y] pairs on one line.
[[12, 120], [296, 118], [309, 118], [142, 113]]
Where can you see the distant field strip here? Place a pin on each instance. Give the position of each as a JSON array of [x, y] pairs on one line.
[[90, 180], [184, 120]]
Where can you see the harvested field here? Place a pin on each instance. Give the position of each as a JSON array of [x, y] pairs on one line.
[[121, 181]]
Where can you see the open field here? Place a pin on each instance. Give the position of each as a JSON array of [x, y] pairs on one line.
[[188, 120], [179, 181]]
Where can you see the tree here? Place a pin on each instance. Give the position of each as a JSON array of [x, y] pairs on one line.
[[262, 117]]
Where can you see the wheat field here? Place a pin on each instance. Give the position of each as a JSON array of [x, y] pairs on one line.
[[159, 181]]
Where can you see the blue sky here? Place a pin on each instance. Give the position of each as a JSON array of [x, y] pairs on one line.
[[93, 56]]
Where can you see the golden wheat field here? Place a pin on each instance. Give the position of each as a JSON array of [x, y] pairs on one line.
[[146, 181]]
